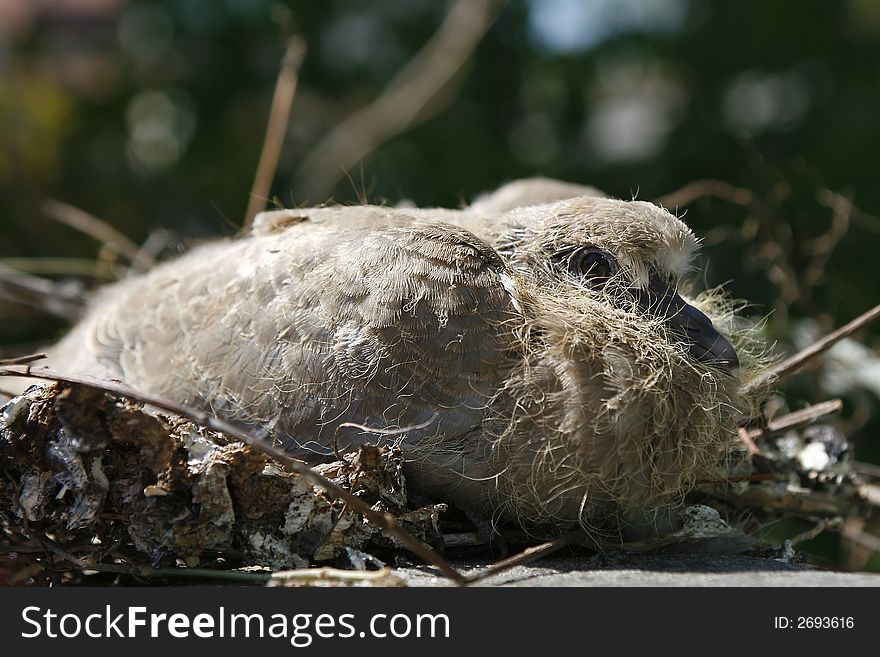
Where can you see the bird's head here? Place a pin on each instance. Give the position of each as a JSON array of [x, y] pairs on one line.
[[631, 255]]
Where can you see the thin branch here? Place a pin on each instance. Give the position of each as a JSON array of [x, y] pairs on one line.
[[698, 189], [100, 230], [22, 360], [821, 525], [327, 573], [821, 247], [862, 538], [795, 420], [867, 469], [865, 220], [195, 573], [403, 102], [60, 299], [146, 572], [793, 502], [252, 438], [794, 363], [276, 127], [89, 267], [743, 436], [528, 556]]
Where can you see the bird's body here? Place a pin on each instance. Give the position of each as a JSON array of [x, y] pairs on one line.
[[537, 362]]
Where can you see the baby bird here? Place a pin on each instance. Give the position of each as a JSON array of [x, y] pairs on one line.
[[540, 367]]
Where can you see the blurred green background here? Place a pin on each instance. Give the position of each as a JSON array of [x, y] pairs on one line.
[[151, 116]]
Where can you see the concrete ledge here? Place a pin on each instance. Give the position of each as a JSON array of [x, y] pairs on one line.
[[653, 570]]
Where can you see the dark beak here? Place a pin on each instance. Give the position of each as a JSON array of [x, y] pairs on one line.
[[705, 343]]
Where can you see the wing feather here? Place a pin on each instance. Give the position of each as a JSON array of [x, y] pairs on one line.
[[375, 319]]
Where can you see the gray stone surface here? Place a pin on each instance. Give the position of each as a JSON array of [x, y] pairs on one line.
[[653, 570]]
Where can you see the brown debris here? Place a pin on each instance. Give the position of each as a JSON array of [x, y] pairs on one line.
[[84, 467]]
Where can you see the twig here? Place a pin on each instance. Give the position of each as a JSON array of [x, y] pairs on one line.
[[196, 573], [867, 469], [821, 525], [276, 127], [793, 501], [250, 437], [50, 546], [855, 555], [821, 248], [862, 538], [22, 360], [794, 420], [743, 435], [326, 573], [865, 220], [872, 494], [764, 470], [157, 241], [794, 363], [698, 189], [527, 556], [403, 102], [91, 268], [58, 299], [146, 572], [100, 230]]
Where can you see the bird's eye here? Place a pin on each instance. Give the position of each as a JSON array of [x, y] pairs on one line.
[[594, 265]]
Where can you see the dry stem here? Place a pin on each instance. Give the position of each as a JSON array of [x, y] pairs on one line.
[[794, 363], [276, 127], [794, 420], [403, 102], [100, 230], [527, 556], [48, 296]]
